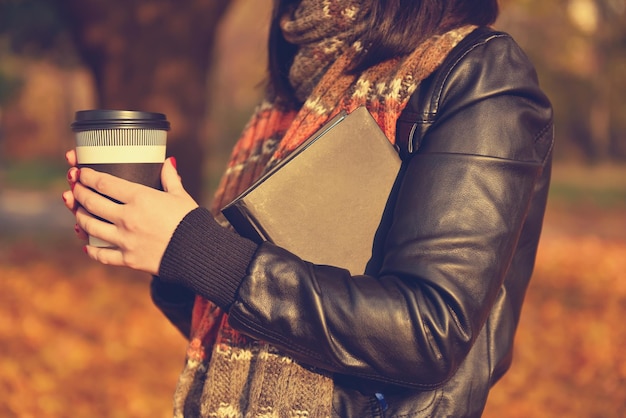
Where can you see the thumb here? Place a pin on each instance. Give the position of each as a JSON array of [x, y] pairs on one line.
[[169, 177]]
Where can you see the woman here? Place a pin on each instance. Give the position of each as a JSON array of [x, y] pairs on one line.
[[429, 328]]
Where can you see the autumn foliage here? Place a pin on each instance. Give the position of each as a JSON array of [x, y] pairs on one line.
[[78, 339]]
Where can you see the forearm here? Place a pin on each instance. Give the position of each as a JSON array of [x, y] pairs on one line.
[[206, 258], [413, 323]]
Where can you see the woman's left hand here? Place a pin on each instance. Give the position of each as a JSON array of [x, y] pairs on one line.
[[142, 227]]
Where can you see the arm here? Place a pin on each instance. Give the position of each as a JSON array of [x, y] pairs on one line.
[[458, 215]]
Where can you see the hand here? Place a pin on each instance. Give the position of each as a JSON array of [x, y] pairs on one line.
[[141, 227]]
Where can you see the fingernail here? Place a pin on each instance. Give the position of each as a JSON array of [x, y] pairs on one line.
[[63, 197], [76, 228], [69, 175], [85, 249], [173, 160]]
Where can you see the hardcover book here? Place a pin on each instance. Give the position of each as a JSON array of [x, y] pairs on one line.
[[325, 201]]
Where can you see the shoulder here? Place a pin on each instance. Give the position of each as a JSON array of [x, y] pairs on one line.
[[480, 43], [486, 83], [486, 59]]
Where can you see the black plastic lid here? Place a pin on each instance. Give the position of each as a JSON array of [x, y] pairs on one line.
[[88, 120]]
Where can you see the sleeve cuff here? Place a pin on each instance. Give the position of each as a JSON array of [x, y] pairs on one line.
[[207, 258]]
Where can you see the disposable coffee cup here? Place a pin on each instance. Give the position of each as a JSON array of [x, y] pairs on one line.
[[125, 143]]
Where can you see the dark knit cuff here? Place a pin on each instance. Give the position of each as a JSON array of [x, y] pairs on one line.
[[207, 258]]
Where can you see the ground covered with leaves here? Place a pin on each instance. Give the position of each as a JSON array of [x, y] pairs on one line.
[[78, 339]]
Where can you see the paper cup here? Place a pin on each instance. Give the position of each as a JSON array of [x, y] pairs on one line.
[[125, 143]]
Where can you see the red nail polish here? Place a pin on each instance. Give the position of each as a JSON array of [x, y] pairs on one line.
[[173, 159], [63, 197], [76, 228], [85, 249], [69, 175]]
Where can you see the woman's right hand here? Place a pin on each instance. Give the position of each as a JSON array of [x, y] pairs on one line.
[[68, 195]]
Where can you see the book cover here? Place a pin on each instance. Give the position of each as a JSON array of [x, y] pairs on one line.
[[325, 201]]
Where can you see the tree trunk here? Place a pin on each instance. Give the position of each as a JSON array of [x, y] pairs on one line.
[[153, 55]]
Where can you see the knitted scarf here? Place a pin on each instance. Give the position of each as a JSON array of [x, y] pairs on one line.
[[228, 374]]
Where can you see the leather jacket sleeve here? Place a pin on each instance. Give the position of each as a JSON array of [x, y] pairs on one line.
[[482, 135]]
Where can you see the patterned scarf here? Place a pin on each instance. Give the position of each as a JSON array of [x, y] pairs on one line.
[[226, 373]]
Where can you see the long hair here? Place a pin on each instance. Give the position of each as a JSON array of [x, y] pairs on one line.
[[395, 28]]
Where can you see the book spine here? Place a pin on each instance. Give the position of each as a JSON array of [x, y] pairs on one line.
[[238, 217]]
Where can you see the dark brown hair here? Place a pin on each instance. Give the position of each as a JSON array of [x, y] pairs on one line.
[[396, 27]]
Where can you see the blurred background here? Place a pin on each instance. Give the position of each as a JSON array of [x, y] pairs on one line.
[[80, 339]]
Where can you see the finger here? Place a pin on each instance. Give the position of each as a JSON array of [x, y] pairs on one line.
[[69, 201], [92, 226], [97, 204], [80, 234], [169, 177], [108, 185], [110, 256], [68, 197], [72, 175], [70, 156]]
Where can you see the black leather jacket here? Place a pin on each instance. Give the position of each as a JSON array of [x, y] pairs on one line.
[[429, 328]]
